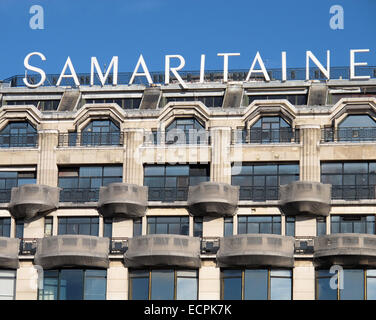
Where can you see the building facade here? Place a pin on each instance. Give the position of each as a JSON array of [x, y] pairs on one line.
[[238, 190]]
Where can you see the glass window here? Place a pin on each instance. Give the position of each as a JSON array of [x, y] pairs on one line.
[[19, 228], [163, 284], [10, 179], [356, 128], [78, 225], [169, 183], [352, 224], [321, 226], [48, 226], [74, 284], [197, 226], [261, 181], [350, 180], [256, 284], [259, 224], [228, 226], [18, 135], [290, 226], [5, 227], [101, 132], [7, 284], [82, 184], [107, 227], [137, 227], [353, 285], [168, 225]]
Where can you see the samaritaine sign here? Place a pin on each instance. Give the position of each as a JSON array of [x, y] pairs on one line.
[[141, 64]]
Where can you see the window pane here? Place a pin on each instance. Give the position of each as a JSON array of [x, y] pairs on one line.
[[232, 288], [140, 287], [256, 284], [280, 288], [353, 288], [371, 288], [95, 285], [7, 284], [186, 289], [162, 285], [71, 284], [50, 287]]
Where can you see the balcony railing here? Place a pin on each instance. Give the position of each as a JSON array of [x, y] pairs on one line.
[[265, 136], [27, 140], [353, 192], [353, 134], [178, 137], [79, 195], [5, 195], [90, 139]]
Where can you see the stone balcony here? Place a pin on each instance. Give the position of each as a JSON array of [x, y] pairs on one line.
[[163, 250], [213, 199], [123, 200], [29, 200], [72, 251], [305, 198], [256, 250], [9, 248], [345, 249]]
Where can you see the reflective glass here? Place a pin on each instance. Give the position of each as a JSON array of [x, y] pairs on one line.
[[232, 288], [162, 285], [353, 285], [71, 284], [186, 288], [280, 288], [256, 284]]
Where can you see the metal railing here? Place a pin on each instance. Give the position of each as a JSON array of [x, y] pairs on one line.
[[86, 139], [265, 136], [28, 246], [168, 138], [27, 140], [194, 76], [304, 245], [79, 195], [353, 134], [118, 245], [353, 192]]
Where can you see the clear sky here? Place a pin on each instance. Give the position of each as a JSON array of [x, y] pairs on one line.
[[105, 28]]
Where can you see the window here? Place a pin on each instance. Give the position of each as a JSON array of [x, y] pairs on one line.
[[74, 284], [321, 226], [10, 179], [269, 130], [19, 228], [101, 133], [256, 284], [208, 101], [352, 224], [125, 103], [295, 99], [169, 183], [82, 184], [7, 284], [350, 180], [107, 227], [168, 225], [79, 225], [186, 131], [259, 224], [349, 284], [5, 227], [290, 226], [48, 226], [43, 105], [163, 284], [197, 226], [357, 128], [228, 226], [261, 181], [137, 227], [17, 135]]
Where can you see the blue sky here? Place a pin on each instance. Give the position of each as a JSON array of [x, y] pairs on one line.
[[105, 28]]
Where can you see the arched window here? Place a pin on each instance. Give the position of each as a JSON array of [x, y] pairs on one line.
[[270, 130], [186, 131], [101, 133], [357, 128], [17, 135]]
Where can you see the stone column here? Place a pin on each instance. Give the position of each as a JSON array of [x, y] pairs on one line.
[[133, 169], [310, 153], [220, 165], [47, 167]]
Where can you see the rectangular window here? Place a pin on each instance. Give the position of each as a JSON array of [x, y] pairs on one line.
[[261, 181], [48, 226], [10, 179], [19, 228], [290, 226], [259, 224], [137, 227], [7, 284], [168, 225], [350, 180], [163, 284], [74, 284], [5, 227], [107, 227], [79, 225], [169, 183], [197, 226], [256, 284], [228, 226], [352, 224], [321, 226], [82, 184]]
